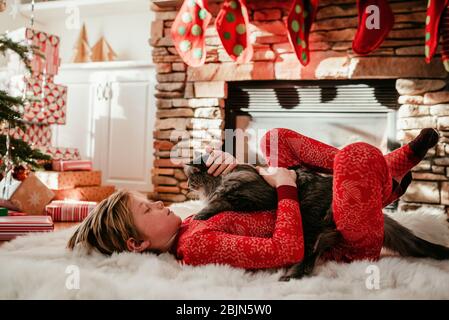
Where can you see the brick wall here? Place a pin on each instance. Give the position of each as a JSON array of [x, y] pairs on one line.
[[190, 101]]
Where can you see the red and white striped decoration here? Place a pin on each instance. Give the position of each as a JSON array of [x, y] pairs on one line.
[[13, 226], [69, 210], [48, 45], [72, 165]]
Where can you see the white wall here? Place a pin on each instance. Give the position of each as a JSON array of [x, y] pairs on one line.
[[127, 34]]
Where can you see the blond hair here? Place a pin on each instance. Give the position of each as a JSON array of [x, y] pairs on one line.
[[108, 226]]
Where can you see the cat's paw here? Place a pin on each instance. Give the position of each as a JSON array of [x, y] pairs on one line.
[[284, 278]]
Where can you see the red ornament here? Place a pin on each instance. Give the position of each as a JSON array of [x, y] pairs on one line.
[[20, 173]]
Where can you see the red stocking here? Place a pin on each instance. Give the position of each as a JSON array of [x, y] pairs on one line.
[[232, 27], [444, 25], [300, 19], [188, 31], [375, 22], [435, 9]]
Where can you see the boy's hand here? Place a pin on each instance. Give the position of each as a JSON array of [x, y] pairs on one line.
[[277, 176], [220, 162]]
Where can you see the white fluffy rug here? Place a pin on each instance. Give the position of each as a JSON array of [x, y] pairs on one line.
[[39, 267]]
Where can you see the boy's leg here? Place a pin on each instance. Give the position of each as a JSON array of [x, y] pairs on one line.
[[402, 160], [362, 182], [285, 148]]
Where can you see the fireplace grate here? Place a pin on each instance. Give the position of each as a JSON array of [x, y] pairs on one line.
[[336, 112]]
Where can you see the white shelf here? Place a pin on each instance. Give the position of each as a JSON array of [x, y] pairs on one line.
[[126, 64], [61, 8]]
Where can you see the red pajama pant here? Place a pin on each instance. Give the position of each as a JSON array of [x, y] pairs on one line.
[[362, 184]]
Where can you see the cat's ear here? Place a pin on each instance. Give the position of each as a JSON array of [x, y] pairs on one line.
[[190, 168], [198, 159]]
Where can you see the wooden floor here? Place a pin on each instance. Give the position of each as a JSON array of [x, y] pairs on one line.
[[58, 226]]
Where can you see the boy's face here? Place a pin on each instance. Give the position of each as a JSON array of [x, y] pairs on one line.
[[156, 224]]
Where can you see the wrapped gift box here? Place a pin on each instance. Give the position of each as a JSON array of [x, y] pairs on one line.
[[47, 45], [69, 179], [32, 196], [38, 135], [13, 226], [51, 99], [59, 153], [39, 113], [85, 193], [16, 213], [69, 210], [72, 165]]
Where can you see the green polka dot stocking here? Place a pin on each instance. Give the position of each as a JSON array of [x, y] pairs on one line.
[[232, 27], [188, 31], [299, 21], [437, 22]]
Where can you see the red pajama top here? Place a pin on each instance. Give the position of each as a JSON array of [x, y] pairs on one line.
[[256, 240]]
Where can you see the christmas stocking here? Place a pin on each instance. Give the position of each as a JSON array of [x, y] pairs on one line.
[[299, 22], [374, 23], [445, 38], [188, 31], [232, 27], [435, 9]]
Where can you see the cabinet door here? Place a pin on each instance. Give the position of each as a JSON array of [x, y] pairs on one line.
[[125, 134], [76, 133], [99, 122]]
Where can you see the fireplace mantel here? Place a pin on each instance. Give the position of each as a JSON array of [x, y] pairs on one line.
[[167, 3]]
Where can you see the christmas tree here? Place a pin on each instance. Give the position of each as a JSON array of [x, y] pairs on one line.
[[14, 152]]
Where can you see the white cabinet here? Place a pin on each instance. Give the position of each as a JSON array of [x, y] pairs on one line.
[[110, 118]]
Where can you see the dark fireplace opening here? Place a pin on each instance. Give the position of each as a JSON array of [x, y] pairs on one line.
[[336, 112]]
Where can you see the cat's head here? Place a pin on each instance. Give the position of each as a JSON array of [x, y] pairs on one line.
[[198, 178]]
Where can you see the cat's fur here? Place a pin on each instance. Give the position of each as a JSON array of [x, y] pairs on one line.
[[244, 189]]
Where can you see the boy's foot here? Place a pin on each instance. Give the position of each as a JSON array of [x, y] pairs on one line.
[[426, 139]]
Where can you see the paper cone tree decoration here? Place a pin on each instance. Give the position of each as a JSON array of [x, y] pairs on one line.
[[82, 49], [102, 51]]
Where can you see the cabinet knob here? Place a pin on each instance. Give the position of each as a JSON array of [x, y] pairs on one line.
[[107, 93]]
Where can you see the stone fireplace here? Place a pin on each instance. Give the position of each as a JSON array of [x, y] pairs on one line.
[[192, 103]]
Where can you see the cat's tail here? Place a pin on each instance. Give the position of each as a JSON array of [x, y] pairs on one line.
[[401, 240]]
